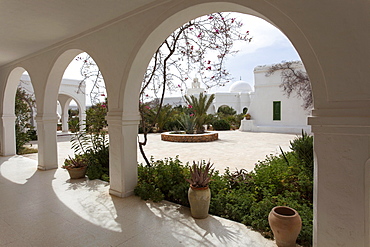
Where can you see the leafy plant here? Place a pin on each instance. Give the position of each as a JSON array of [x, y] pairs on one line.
[[23, 104], [246, 197], [77, 162], [200, 174], [199, 107], [226, 110], [221, 124], [187, 123]]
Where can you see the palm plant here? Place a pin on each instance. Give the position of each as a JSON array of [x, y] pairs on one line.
[[199, 106]]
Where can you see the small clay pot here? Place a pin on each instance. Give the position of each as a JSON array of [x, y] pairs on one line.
[[76, 173], [199, 199], [286, 224]]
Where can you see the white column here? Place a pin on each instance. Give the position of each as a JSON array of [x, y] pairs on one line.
[[47, 141], [8, 135], [123, 130], [341, 181], [82, 117], [64, 119]]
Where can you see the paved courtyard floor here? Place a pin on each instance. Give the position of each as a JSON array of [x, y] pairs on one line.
[[234, 149], [47, 209]]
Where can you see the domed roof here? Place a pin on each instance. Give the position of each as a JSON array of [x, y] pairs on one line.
[[240, 87]]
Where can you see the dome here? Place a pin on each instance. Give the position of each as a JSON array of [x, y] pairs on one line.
[[240, 87]]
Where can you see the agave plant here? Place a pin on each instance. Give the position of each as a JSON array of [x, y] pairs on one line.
[[200, 174]]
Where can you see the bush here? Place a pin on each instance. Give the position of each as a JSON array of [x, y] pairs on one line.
[[164, 179], [242, 196], [221, 124], [32, 134], [226, 110]]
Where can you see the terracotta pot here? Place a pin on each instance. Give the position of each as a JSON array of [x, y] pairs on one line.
[[76, 173], [286, 224], [199, 199]]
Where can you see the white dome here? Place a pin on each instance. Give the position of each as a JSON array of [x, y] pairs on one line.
[[240, 87]]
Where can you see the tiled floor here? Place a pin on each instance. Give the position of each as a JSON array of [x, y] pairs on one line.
[[45, 208]]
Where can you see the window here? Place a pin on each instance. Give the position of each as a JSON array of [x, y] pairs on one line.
[[276, 110]]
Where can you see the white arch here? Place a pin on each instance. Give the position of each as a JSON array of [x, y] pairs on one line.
[[8, 116]]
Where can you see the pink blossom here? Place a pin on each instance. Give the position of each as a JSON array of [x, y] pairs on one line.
[[209, 62], [190, 106], [104, 106], [199, 35], [147, 107], [217, 31], [191, 114], [179, 85], [211, 17], [102, 94], [146, 95]]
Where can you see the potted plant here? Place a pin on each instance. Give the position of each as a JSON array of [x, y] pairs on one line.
[[76, 166], [247, 116], [199, 194]]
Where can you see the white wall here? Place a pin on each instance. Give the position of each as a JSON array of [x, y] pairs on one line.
[[267, 90]]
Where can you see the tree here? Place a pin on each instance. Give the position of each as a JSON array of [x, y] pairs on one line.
[[199, 107], [294, 80], [23, 104], [199, 47]]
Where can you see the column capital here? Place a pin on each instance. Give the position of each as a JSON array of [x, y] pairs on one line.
[[353, 125], [120, 118], [51, 118]]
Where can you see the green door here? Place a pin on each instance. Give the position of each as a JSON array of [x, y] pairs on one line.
[[276, 110]]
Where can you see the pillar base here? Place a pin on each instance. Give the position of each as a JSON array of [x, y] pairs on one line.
[[120, 194]]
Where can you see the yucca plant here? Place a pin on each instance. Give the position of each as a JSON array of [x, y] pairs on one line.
[[201, 173]]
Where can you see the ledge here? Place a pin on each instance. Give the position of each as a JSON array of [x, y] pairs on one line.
[[206, 137]]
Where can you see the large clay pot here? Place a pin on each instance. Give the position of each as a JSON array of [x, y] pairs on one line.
[[199, 199], [286, 224], [76, 173]]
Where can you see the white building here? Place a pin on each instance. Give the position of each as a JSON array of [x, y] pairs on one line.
[[271, 110], [69, 90], [269, 106]]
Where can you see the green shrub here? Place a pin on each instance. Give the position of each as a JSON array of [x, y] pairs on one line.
[[242, 196], [74, 124], [303, 148], [165, 179], [221, 124], [226, 110], [32, 134]]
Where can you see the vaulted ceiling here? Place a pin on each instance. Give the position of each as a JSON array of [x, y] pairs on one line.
[[27, 26]]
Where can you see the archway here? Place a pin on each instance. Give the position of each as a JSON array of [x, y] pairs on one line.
[[8, 114], [171, 23]]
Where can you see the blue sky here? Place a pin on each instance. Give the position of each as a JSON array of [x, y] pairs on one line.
[[268, 46]]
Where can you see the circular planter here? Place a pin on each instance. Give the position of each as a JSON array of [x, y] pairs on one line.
[[76, 173], [286, 224], [199, 199], [205, 137]]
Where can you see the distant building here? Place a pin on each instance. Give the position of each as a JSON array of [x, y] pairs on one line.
[[270, 109]]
